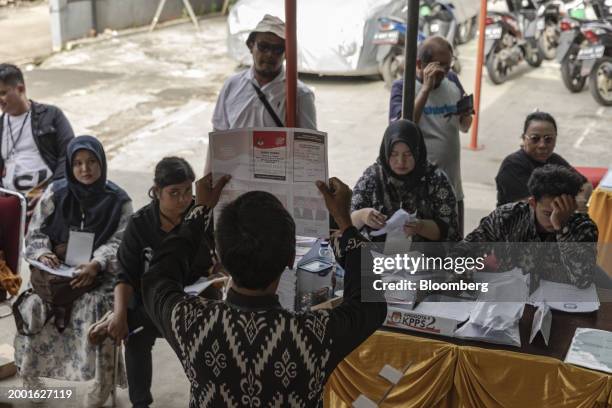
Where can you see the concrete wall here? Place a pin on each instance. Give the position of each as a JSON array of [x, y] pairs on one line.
[[73, 19]]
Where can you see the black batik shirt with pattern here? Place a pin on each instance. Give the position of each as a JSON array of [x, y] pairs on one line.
[[433, 199], [247, 350], [565, 256]]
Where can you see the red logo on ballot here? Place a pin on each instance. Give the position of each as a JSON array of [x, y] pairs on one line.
[[269, 139]]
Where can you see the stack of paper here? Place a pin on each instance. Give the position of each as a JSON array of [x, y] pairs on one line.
[[567, 298], [62, 270], [591, 348]]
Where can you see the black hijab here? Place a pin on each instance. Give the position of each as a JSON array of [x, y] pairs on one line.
[[100, 202], [408, 132]]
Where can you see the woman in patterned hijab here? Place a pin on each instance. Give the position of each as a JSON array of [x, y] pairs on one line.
[[402, 178]]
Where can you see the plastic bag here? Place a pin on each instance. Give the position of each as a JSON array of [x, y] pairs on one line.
[[496, 321]]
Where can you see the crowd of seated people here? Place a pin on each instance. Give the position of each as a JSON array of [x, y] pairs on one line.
[[231, 348]]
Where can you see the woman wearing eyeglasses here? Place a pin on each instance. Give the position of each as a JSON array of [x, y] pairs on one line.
[[538, 143], [171, 199]]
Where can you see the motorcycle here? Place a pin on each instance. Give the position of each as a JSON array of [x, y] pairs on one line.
[[437, 17], [597, 61], [585, 52], [390, 39], [547, 27], [510, 39], [570, 43]]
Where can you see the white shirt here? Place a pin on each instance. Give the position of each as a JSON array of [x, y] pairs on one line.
[[239, 106], [24, 166]]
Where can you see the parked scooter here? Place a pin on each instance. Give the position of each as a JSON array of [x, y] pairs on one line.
[[585, 51], [390, 39], [547, 27], [570, 43], [510, 39], [597, 61], [437, 17]]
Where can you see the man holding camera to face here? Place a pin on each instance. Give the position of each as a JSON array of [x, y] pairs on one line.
[[441, 110]]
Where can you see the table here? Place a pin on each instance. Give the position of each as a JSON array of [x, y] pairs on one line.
[[600, 210], [449, 372]]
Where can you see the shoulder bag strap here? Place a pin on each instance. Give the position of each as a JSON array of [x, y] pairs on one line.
[[264, 100]]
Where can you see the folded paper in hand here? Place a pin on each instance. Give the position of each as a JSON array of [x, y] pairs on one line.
[[396, 222], [202, 284], [63, 270]]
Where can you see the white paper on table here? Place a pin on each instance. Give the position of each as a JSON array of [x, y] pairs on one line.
[[567, 298], [391, 374], [591, 348], [397, 221], [455, 310], [63, 270], [80, 247], [202, 284], [363, 402], [542, 321]]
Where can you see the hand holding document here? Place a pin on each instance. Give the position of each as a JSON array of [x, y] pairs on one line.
[[202, 284], [396, 222], [63, 269]]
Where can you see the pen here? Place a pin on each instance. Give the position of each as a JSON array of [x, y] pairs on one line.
[[135, 331]]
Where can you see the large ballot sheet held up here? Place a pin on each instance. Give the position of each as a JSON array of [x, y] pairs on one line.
[[282, 161]]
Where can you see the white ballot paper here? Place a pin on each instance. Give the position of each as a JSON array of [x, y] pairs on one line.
[[542, 321], [282, 161], [80, 247], [63, 270], [202, 284], [567, 298], [397, 221], [591, 348]]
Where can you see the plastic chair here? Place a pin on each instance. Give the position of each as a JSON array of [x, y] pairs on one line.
[[13, 208]]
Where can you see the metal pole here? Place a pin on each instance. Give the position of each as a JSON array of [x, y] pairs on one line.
[[291, 56], [94, 18], [412, 32], [478, 82]]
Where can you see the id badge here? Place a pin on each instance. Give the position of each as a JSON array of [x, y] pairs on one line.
[[80, 247]]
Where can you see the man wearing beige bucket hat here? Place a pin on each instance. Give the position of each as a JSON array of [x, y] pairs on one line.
[[256, 97]]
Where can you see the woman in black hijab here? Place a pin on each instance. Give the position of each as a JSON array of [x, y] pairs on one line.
[[403, 178], [86, 202]]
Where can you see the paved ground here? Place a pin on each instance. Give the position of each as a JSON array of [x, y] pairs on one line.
[[151, 95], [27, 29]]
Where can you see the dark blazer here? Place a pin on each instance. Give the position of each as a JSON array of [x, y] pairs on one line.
[[52, 133]]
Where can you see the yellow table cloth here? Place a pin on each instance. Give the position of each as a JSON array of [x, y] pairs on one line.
[[444, 375], [600, 211]]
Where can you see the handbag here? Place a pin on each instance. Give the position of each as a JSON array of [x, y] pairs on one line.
[[56, 292]]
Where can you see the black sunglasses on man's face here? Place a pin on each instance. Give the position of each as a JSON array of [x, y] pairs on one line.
[[264, 47]]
